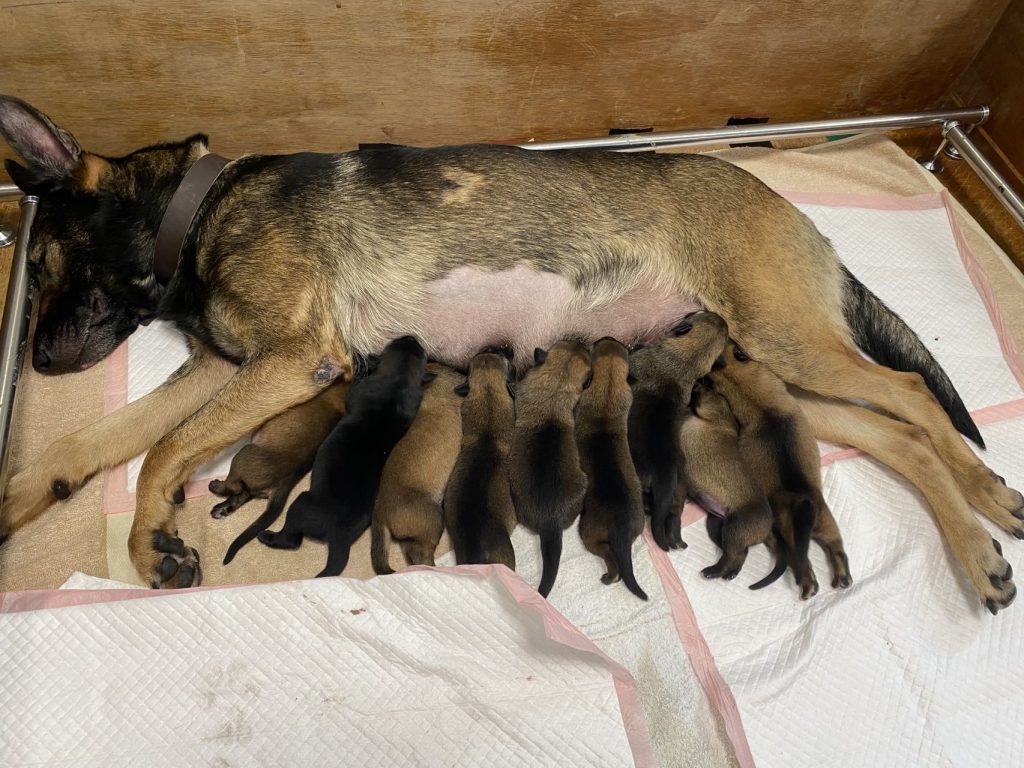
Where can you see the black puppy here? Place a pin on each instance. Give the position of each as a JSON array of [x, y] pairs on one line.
[[338, 506]]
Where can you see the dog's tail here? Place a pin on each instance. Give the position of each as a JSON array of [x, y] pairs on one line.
[[551, 556], [774, 575], [275, 506], [621, 550], [883, 335]]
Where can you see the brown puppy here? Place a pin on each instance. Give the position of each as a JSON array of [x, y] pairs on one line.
[[776, 439], [613, 508], [716, 477], [544, 464], [478, 509], [408, 506], [663, 379], [280, 449]]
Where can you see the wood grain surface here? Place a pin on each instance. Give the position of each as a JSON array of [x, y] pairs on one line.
[[327, 74]]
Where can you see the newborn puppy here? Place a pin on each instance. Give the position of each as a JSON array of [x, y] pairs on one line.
[[338, 506], [613, 508], [544, 463], [478, 509], [663, 377], [718, 479], [408, 504], [278, 450], [778, 444]]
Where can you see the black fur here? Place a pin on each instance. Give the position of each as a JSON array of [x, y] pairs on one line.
[[654, 423], [477, 531], [338, 507], [883, 335]]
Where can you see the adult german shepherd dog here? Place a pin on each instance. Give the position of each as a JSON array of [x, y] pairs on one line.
[[294, 264]]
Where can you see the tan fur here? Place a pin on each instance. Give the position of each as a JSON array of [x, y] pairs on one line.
[[479, 487], [777, 442], [279, 448], [408, 507], [613, 503], [716, 476], [90, 171]]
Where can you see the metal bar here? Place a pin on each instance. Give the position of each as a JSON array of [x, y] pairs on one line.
[[992, 178], [642, 142], [9, 191], [14, 331]]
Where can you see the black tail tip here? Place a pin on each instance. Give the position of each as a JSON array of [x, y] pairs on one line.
[[965, 426]]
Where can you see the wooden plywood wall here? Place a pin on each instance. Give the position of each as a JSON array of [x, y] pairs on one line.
[[996, 78], [266, 75]]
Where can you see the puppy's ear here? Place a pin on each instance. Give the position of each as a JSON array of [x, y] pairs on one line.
[[719, 363], [510, 385], [631, 379], [588, 381], [428, 377], [462, 389], [539, 356]]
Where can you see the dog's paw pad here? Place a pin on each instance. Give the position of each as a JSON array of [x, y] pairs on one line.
[[223, 509], [842, 581], [711, 572], [179, 566], [609, 579]]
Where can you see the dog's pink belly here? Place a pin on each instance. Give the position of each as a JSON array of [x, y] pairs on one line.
[[470, 309]]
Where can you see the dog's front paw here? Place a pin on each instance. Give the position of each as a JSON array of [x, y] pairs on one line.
[[166, 563], [997, 591]]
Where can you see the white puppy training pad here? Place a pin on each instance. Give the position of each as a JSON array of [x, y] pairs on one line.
[[424, 668], [905, 668]]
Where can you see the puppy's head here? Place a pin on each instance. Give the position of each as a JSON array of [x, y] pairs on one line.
[[707, 405], [609, 377], [735, 369], [566, 365], [93, 238], [404, 357], [696, 342], [490, 375]]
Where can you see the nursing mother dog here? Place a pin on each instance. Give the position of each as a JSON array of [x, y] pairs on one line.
[[290, 265]]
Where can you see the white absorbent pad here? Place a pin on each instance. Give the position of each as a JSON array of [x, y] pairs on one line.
[[423, 668]]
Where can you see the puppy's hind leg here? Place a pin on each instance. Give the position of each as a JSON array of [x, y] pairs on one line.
[[826, 534], [907, 449]]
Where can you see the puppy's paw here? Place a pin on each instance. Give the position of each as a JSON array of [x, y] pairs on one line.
[[170, 563], [808, 585], [609, 578], [841, 578]]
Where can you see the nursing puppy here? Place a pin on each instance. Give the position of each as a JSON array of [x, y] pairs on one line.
[[717, 478], [664, 375], [408, 507], [338, 506], [613, 508], [478, 510], [279, 449], [280, 455], [544, 464], [776, 439]]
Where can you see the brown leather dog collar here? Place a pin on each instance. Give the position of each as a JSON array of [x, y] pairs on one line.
[[181, 212]]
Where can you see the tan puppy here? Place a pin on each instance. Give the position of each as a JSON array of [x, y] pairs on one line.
[[544, 464], [663, 379], [280, 455], [717, 478], [478, 509], [408, 506], [776, 439], [613, 507]]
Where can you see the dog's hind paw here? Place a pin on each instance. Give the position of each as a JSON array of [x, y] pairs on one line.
[[177, 565], [1003, 505]]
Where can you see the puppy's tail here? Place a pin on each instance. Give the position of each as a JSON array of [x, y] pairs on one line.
[[621, 551], [379, 546], [774, 575], [883, 335], [551, 556], [275, 506]]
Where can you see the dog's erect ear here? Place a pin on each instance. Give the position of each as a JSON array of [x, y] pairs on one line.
[[50, 151], [428, 377], [539, 356], [462, 390]]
